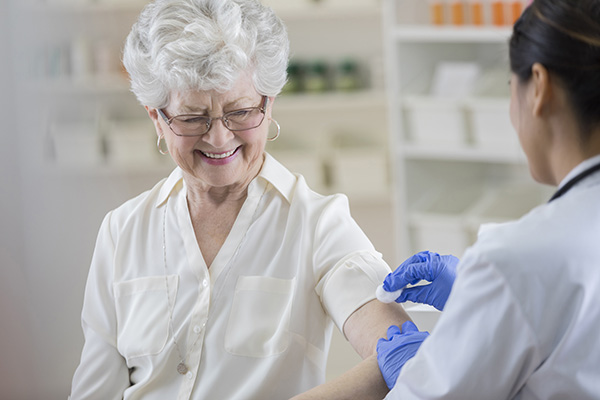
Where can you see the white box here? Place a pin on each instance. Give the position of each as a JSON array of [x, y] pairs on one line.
[[131, 142], [360, 172], [306, 163], [491, 126], [440, 223], [436, 122]]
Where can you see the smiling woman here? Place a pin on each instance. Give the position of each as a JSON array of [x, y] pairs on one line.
[[231, 269], [221, 156]]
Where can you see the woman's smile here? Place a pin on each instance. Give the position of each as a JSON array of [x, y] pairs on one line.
[[218, 158]]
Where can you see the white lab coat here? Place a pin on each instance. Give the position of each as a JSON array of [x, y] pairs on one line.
[[523, 318]]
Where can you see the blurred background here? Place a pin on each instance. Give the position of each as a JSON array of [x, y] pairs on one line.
[[400, 104]]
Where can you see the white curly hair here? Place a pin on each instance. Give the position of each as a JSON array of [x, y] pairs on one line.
[[204, 45]]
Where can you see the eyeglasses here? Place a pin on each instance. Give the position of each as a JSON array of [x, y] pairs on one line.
[[235, 120]]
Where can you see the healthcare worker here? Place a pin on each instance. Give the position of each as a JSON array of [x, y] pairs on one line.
[[522, 318]]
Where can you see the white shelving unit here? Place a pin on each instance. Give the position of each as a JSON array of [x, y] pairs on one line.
[[456, 160]]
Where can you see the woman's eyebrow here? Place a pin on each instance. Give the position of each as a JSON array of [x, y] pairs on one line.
[[242, 102]]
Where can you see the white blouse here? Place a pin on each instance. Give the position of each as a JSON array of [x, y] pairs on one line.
[[256, 325]]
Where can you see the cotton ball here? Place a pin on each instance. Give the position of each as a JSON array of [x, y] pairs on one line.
[[385, 296]]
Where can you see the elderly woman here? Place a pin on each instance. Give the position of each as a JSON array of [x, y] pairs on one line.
[[225, 279]]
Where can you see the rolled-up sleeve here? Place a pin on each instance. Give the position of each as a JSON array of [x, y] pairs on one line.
[[351, 284], [347, 267]]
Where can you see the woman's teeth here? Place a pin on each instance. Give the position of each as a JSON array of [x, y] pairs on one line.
[[221, 155]]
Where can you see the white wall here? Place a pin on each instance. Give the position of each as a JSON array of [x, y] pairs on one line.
[[15, 312]]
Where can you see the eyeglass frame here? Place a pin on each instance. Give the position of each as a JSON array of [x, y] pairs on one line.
[[262, 108]]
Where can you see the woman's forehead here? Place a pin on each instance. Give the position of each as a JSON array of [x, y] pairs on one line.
[[242, 94], [198, 101]]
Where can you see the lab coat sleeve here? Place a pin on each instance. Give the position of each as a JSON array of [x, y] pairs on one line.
[[348, 269], [102, 373], [482, 345]]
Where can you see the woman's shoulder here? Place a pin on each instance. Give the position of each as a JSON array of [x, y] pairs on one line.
[[295, 188]]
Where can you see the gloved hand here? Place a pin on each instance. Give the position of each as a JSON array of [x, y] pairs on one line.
[[399, 347], [432, 267]]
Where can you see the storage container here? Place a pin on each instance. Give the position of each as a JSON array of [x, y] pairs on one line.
[[490, 124], [306, 163], [435, 122], [299, 155], [360, 172], [440, 221], [131, 142]]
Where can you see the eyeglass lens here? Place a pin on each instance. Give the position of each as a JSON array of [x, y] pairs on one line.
[[236, 120]]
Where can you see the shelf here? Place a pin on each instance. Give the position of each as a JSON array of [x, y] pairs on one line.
[[117, 83], [357, 100], [470, 154], [467, 34], [315, 11]]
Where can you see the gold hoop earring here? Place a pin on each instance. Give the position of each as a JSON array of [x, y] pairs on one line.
[[271, 139], [160, 150]]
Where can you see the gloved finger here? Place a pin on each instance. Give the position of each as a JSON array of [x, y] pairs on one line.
[[407, 273], [393, 330], [416, 294], [409, 326]]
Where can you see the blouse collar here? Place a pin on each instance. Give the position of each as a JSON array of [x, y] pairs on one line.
[[272, 172]]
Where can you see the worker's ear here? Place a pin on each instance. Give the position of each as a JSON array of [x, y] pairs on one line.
[[542, 90]]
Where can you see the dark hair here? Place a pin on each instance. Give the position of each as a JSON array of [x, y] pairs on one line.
[[563, 36]]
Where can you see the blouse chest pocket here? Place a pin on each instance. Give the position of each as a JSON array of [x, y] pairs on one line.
[[260, 315], [143, 310]]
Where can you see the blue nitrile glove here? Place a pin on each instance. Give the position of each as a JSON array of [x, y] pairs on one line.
[[399, 347], [429, 266]]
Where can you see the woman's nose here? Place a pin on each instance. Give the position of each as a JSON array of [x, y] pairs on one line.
[[218, 135]]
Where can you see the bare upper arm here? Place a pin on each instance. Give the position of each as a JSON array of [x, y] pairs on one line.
[[370, 322]]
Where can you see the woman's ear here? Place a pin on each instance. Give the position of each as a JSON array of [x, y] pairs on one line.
[[542, 90], [153, 114], [270, 105]]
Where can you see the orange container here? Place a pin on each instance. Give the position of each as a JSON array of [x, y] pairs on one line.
[[457, 12], [516, 9], [436, 8], [476, 12], [498, 11]]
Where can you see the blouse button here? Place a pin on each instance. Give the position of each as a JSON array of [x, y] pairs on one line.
[[189, 375], [197, 329]]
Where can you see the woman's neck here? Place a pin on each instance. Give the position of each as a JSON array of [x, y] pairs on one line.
[[212, 197], [570, 146]]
